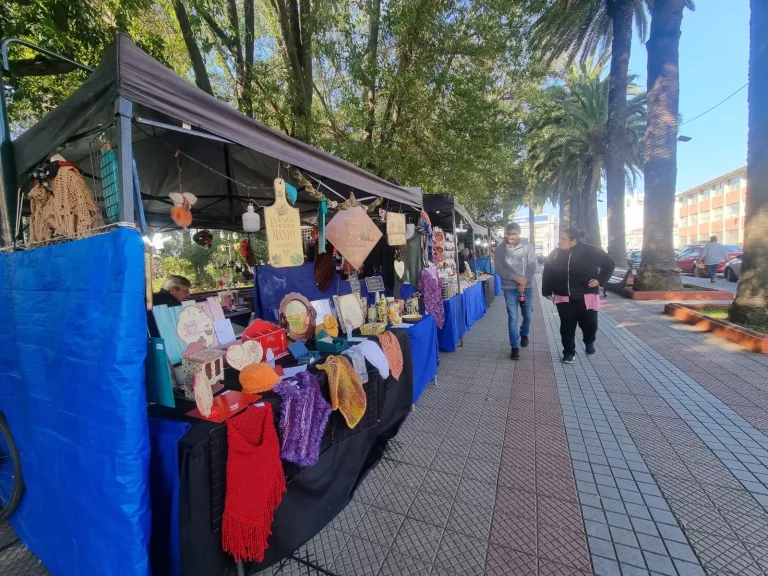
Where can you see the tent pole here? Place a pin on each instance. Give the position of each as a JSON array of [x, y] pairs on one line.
[[8, 196], [458, 276], [124, 113], [228, 172]]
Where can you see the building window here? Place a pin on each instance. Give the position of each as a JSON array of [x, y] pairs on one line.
[[683, 240], [694, 220], [704, 218], [692, 200], [704, 195], [732, 211], [684, 221], [717, 191], [717, 214], [735, 184], [731, 237]]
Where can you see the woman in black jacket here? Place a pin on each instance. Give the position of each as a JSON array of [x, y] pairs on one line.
[[573, 275]]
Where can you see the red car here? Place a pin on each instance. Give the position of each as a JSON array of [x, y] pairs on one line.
[[688, 259]]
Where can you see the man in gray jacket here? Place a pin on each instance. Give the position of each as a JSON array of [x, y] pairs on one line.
[[711, 256], [515, 261]]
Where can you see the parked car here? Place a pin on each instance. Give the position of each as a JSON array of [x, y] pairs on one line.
[[733, 269], [634, 257], [688, 260]]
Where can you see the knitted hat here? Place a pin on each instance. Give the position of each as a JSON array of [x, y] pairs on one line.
[[345, 388], [391, 348], [256, 378]]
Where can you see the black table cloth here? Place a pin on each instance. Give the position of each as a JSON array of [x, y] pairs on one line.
[[315, 495]]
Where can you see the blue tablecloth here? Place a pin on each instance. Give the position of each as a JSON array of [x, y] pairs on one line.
[[473, 305], [497, 282], [448, 336], [424, 350], [481, 265]]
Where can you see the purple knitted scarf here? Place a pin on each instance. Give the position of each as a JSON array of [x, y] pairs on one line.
[[303, 417]]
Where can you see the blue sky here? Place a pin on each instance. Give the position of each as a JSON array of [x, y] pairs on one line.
[[714, 58]]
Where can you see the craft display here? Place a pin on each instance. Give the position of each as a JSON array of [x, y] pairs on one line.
[[300, 353], [393, 315], [327, 344], [61, 204], [394, 354], [241, 355], [330, 325], [255, 483], [303, 417], [270, 336], [345, 389], [297, 316], [373, 315], [283, 225], [203, 394], [373, 353], [203, 238], [412, 304], [195, 326], [323, 308], [396, 229], [399, 268], [353, 234], [373, 328], [181, 212], [381, 310], [197, 358], [350, 311], [257, 378], [430, 285], [324, 270]]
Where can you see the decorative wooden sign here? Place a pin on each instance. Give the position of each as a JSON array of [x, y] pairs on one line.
[[283, 231], [374, 284], [353, 234], [396, 229]]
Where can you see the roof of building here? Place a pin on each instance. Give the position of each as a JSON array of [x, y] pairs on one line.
[[728, 175]]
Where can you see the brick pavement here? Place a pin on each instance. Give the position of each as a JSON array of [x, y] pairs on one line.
[[649, 457]]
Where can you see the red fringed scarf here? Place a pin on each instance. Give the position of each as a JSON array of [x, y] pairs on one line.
[[255, 483]]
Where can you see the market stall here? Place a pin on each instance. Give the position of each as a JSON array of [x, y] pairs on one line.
[[144, 149]]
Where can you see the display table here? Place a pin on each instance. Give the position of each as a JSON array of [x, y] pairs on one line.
[[489, 289], [497, 285], [449, 335], [426, 355], [473, 305], [315, 494]]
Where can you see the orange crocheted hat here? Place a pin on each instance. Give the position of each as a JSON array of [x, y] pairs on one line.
[[256, 378]]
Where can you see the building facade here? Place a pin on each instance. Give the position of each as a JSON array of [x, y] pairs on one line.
[[634, 206], [546, 228], [715, 208]]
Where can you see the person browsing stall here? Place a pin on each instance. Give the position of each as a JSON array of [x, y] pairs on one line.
[[175, 290], [572, 276], [515, 261]]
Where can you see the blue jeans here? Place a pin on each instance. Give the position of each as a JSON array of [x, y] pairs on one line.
[[711, 270], [511, 296]]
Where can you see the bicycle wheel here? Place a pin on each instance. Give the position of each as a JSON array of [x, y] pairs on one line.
[[11, 482]]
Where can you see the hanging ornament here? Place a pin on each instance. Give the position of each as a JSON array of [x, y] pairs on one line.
[[283, 225], [291, 193], [251, 220], [321, 213], [203, 238], [182, 201]]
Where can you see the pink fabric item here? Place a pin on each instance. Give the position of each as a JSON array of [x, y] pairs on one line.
[[591, 300]]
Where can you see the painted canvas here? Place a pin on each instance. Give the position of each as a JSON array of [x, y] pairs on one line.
[[353, 234], [396, 229], [195, 326]]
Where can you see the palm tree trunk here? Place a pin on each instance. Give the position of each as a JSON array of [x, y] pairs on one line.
[[751, 303], [591, 219], [564, 215], [658, 271], [621, 17]]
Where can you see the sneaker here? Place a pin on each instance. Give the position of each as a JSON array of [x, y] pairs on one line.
[[515, 354], [523, 341], [590, 348], [712, 280], [568, 358]]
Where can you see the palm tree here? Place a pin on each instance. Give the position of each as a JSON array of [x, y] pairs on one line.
[[658, 270], [751, 303], [570, 142], [582, 27]]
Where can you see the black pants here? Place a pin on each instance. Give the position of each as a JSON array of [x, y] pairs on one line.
[[575, 313]]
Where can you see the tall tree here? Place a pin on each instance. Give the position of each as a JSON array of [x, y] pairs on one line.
[[751, 303], [570, 141], [658, 270], [573, 28]]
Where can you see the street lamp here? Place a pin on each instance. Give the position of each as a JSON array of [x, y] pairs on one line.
[[683, 138]]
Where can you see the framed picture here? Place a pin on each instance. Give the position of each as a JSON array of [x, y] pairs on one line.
[[350, 310]]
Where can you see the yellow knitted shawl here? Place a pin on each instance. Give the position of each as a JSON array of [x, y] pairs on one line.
[[346, 389]]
